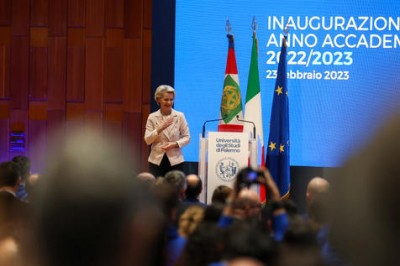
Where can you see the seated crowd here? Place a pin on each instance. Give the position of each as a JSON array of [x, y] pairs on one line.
[[99, 211]]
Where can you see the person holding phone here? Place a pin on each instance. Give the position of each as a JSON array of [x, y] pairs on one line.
[[167, 131], [243, 202]]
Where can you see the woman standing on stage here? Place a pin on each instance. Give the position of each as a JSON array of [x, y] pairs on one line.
[[167, 132]]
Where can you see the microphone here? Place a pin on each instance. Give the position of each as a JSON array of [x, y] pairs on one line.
[[247, 121], [208, 121]]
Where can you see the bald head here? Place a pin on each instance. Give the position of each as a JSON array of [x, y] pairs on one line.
[[316, 186], [249, 195], [146, 177], [194, 186], [192, 179], [247, 205]]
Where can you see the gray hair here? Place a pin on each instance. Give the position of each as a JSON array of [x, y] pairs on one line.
[[176, 178], [161, 90]]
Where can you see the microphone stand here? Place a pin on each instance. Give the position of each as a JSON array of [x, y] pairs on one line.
[[203, 133], [247, 121]]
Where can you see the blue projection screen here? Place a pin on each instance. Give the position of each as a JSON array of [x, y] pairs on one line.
[[343, 68]]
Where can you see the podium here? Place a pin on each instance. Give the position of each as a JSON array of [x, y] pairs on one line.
[[221, 155]]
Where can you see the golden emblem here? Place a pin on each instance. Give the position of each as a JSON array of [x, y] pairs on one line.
[[230, 99]]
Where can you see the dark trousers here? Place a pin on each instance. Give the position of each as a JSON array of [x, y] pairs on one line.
[[164, 167]]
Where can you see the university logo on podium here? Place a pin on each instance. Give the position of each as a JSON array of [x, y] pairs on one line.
[[226, 169]]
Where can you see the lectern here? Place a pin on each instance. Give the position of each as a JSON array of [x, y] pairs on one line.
[[222, 154]]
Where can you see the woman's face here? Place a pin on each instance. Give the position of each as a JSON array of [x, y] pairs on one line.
[[166, 102]]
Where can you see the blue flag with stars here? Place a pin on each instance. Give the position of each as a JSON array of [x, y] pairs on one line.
[[277, 160]]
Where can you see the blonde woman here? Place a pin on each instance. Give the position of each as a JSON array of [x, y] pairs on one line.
[[167, 132]]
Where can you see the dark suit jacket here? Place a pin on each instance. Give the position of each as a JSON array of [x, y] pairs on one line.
[[13, 212]]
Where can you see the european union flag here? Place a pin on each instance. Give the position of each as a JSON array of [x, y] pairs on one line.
[[278, 159]]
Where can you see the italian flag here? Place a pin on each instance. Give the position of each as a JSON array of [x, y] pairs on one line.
[[253, 110]]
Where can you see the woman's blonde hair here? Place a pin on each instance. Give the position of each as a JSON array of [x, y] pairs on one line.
[[161, 90]]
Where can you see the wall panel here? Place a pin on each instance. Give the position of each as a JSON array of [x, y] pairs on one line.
[[5, 129], [39, 13], [113, 120], [37, 143], [5, 12], [133, 18], [76, 65], [145, 150], [76, 13], [58, 17], [56, 124], [19, 73], [5, 35], [4, 109], [20, 17], [132, 71], [113, 60], [147, 14], [4, 71], [146, 97], [95, 18], [114, 17], [38, 73], [132, 137], [94, 121], [5, 42], [57, 73], [94, 74], [68, 65], [75, 119]]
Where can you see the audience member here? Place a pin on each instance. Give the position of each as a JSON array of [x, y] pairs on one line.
[[190, 219], [316, 186], [247, 205], [318, 219], [248, 241], [90, 211], [244, 204], [220, 194], [213, 212], [193, 189], [13, 212], [146, 177], [204, 246], [24, 170], [365, 198], [168, 197], [177, 179]]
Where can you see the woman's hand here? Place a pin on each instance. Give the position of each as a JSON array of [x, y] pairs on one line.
[[165, 124], [169, 146]]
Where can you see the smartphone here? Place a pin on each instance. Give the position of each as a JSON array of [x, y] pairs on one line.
[[248, 176]]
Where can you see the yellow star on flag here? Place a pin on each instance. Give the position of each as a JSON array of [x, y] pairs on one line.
[[272, 146], [282, 148], [279, 90]]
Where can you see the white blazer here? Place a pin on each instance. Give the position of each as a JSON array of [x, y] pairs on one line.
[[177, 132]]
